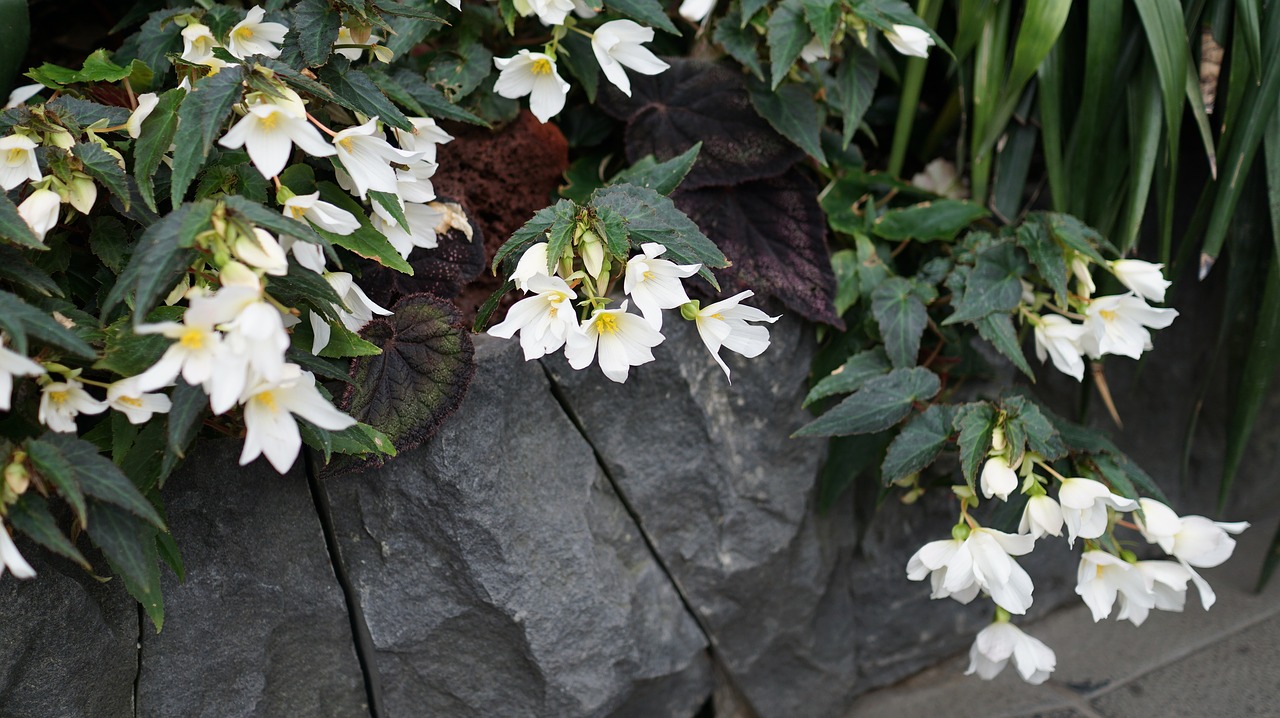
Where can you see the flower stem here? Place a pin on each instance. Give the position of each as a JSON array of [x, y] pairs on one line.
[[323, 129], [910, 94]]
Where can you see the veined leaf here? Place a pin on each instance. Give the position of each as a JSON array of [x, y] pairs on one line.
[[786, 37], [533, 231], [975, 422], [161, 256], [998, 329], [366, 242], [14, 228], [200, 119], [315, 25], [918, 444], [153, 141], [30, 515], [850, 376], [901, 314], [881, 402], [993, 286], [94, 473], [661, 177], [21, 320], [103, 168], [130, 547], [792, 111], [358, 92], [1045, 253], [739, 41], [937, 220], [652, 217]]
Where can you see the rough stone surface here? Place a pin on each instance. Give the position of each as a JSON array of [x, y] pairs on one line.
[[728, 500], [499, 574], [69, 644], [260, 627]]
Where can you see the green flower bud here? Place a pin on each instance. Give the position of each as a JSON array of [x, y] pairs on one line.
[[960, 531]]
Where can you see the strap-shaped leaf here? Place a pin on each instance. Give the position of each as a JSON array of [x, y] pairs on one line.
[[878, 405]]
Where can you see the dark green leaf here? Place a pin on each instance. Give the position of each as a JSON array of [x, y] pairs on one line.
[[432, 99], [786, 37], [17, 268], [661, 177], [459, 72], [153, 142], [938, 220], [855, 86], [56, 470], [1045, 254], [739, 41], [30, 515], [848, 457], [881, 402], [130, 547], [652, 217], [532, 232], [850, 376], [1077, 235], [918, 444], [750, 8], [577, 57], [560, 235], [94, 473], [200, 119], [612, 228], [315, 25], [360, 93], [648, 12], [366, 242], [1255, 378], [1040, 433], [975, 422], [792, 111], [998, 329], [361, 439], [128, 353], [823, 16], [993, 286], [490, 305], [901, 316], [162, 255], [13, 228], [393, 204], [21, 320], [103, 168], [185, 415], [274, 221]]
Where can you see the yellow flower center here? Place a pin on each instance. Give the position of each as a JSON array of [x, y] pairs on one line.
[[269, 120], [1107, 315], [268, 400], [541, 66], [131, 401], [648, 275], [192, 339], [607, 324], [244, 34], [718, 315], [347, 144], [17, 155], [297, 212], [59, 397]]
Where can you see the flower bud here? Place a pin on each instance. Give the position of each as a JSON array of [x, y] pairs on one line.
[[960, 531], [16, 478], [62, 139], [82, 192], [997, 439], [690, 311]]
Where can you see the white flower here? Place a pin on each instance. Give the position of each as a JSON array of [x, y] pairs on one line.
[[146, 104], [940, 177], [1084, 507], [269, 131], [10, 558], [616, 45], [533, 74], [270, 428], [724, 324], [81, 192], [367, 158], [695, 10], [358, 309], [654, 284], [326, 216], [126, 397], [424, 138], [550, 12], [1060, 338], [261, 251], [1116, 325], [18, 161], [1193, 540], [1084, 280], [814, 51], [62, 401], [253, 348], [424, 221], [1168, 583], [624, 340], [544, 320], [1101, 577], [999, 642], [252, 36], [949, 566], [196, 351], [1142, 278], [198, 44], [346, 38], [533, 263], [981, 561], [13, 364], [998, 478], [40, 211], [910, 40], [308, 254], [1042, 517], [414, 184], [21, 94]]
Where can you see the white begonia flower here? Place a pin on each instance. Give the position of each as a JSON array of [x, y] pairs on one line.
[[270, 428], [724, 324], [21, 94], [616, 45], [1060, 339], [82, 192], [654, 284], [268, 133], [983, 560], [1168, 583], [198, 44], [309, 255], [910, 40], [1117, 325], [695, 10], [252, 36], [198, 347], [1102, 576], [10, 558], [1084, 507], [356, 310], [346, 38], [813, 51], [624, 340], [261, 251], [1084, 280], [949, 567], [533, 263], [126, 397], [414, 184], [999, 642], [1193, 540], [13, 364], [1041, 517], [326, 216], [550, 12], [424, 222], [40, 211], [366, 157], [941, 178], [18, 161], [1142, 278], [147, 102], [254, 340], [62, 401], [998, 478], [586, 11], [544, 320], [533, 74], [425, 137]]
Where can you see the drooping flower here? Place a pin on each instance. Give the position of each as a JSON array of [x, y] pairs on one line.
[[654, 284], [1168, 583], [617, 44], [1060, 338], [13, 364], [724, 324], [1041, 517], [82, 192], [252, 36], [198, 44], [309, 254], [1084, 507], [18, 161], [1142, 278], [624, 340], [998, 478], [910, 40], [357, 309], [544, 320], [40, 211], [550, 12], [814, 51], [1085, 286], [253, 349], [21, 94], [1193, 540], [533, 74], [423, 219], [326, 216], [941, 178], [983, 560], [1117, 325], [195, 353], [10, 558], [367, 158], [949, 567], [126, 397], [532, 263], [1001, 641], [1102, 576], [261, 251], [62, 401], [147, 102], [425, 137], [270, 428], [695, 10], [268, 133], [414, 184]]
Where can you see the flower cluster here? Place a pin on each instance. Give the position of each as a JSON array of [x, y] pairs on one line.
[[978, 559]]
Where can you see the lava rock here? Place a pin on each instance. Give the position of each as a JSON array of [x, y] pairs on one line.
[[499, 574], [260, 628]]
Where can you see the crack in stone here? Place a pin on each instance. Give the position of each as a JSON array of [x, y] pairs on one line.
[[717, 659], [365, 651], [137, 675]]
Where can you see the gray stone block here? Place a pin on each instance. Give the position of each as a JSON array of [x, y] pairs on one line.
[[260, 627], [499, 574]]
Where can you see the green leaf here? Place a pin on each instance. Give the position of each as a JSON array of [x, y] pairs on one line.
[[162, 255], [431, 99], [578, 58], [54, 468], [97, 68], [200, 119], [848, 457], [928, 221], [315, 25], [392, 203], [792, 111], [30, 515], [1077, 235], [648, 12], [975, 422], [993, 286], [1167, 38], [855, 87], [344, 343], [1255, 377], [130, 547], [21, 320], [652, 217], [901, 316], [272, 220], [366, 242], [918, 444], [881, 402], [1144, 147], [460, 71], [128, 353], [739, 40], [360, 93], [844, 263], [153, 142], [361, 440], [490, 305], [13, 228], [94, 473], [786, 37], [531, 233], [1041, 435], [750, 8], [661, 177], [998, 329], [850, 376], [1045, 254], [185, 417], [103, 168], [823, 16]]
